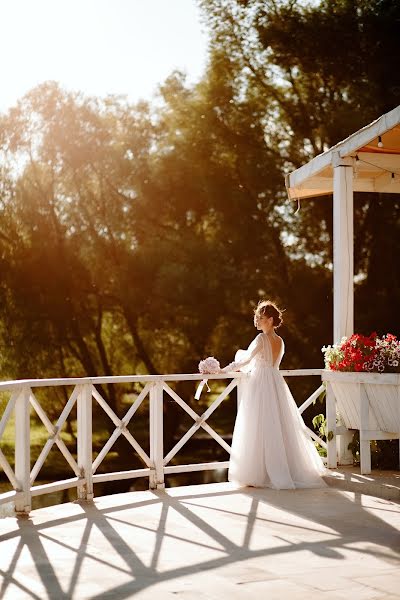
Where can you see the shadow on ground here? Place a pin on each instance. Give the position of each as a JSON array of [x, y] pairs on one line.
[[122, 545]]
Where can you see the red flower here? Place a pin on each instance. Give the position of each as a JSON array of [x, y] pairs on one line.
[[389, 337], [365, 353]]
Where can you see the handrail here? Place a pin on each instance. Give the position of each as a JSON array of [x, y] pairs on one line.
[[8, 385], [18, 383], [84, 393]]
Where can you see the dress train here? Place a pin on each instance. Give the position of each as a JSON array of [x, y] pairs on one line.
[[271, 446]]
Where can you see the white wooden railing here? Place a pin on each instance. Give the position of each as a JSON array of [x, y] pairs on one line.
[[23, 400]]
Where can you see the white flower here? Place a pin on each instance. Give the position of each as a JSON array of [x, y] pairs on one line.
[[209, 365]]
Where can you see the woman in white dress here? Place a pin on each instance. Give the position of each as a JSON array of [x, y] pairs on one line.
[[270, 446]]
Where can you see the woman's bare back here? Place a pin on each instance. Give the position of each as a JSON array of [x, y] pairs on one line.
[[276, 347]]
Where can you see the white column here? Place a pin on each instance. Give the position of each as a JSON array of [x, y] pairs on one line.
[[84, 414], [22, 451], [156, 436], [343, 251]]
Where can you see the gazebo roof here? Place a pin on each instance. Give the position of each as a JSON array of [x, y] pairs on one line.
[[375, 154]]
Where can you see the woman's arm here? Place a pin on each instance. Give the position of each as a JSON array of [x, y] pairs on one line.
[[246, 356]]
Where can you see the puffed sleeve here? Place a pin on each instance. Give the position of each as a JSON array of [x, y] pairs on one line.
[[244, 358]]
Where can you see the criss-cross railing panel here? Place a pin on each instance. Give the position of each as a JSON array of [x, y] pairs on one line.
[[55, 432], [3, 424], [121, 427], [314, 396], [199, 420]]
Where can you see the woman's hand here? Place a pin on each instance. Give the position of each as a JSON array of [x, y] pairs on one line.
[[232, 367]]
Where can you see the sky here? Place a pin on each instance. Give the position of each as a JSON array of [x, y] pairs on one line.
[[98, 47]]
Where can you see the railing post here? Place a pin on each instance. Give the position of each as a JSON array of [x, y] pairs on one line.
[[156, 437], [365, 442], [331, 426], [345, 456], [22, 452], [84, 415]]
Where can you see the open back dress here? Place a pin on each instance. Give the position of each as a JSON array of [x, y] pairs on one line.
[[271, 446]]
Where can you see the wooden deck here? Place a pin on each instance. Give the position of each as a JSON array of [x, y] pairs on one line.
[[202, 542]]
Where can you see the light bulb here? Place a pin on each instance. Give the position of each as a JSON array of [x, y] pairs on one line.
[[380, 143], [356, 164]]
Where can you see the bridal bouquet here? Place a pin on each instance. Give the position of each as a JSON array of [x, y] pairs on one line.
[[364, 353], [209, 365]]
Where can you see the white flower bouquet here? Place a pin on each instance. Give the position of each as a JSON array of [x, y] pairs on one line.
[[209, 365]]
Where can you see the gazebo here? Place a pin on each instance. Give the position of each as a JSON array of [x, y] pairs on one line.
[[367, 161]]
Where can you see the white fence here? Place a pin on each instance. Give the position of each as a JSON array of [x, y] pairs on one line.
[[23, 401]]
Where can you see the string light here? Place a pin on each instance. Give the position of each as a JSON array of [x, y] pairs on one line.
[[366, 162], [380, 143], [356, 165]]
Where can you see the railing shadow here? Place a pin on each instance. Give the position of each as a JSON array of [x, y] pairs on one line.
[[124, 544]]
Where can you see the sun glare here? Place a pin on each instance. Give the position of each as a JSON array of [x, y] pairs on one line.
[[98, 47]]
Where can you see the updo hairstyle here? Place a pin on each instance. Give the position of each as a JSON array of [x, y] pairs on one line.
[[269, 309]]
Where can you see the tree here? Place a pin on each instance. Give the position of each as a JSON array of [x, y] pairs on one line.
[[322, 70]]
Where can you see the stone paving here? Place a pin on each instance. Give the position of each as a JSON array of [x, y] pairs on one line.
[[383, 484], [206, 542]]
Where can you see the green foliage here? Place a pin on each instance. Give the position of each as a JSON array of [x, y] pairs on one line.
[[319, 423], [85, 275], [322, 70]]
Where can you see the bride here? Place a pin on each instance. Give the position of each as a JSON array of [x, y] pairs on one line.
[[270, 446]]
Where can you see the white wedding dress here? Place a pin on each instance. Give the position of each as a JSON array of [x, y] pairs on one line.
[[271, 446]]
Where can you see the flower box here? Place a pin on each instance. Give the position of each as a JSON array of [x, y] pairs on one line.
[[382, 393], [369, 402]]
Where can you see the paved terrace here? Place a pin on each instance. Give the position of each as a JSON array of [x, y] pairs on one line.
[[206, 542]]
